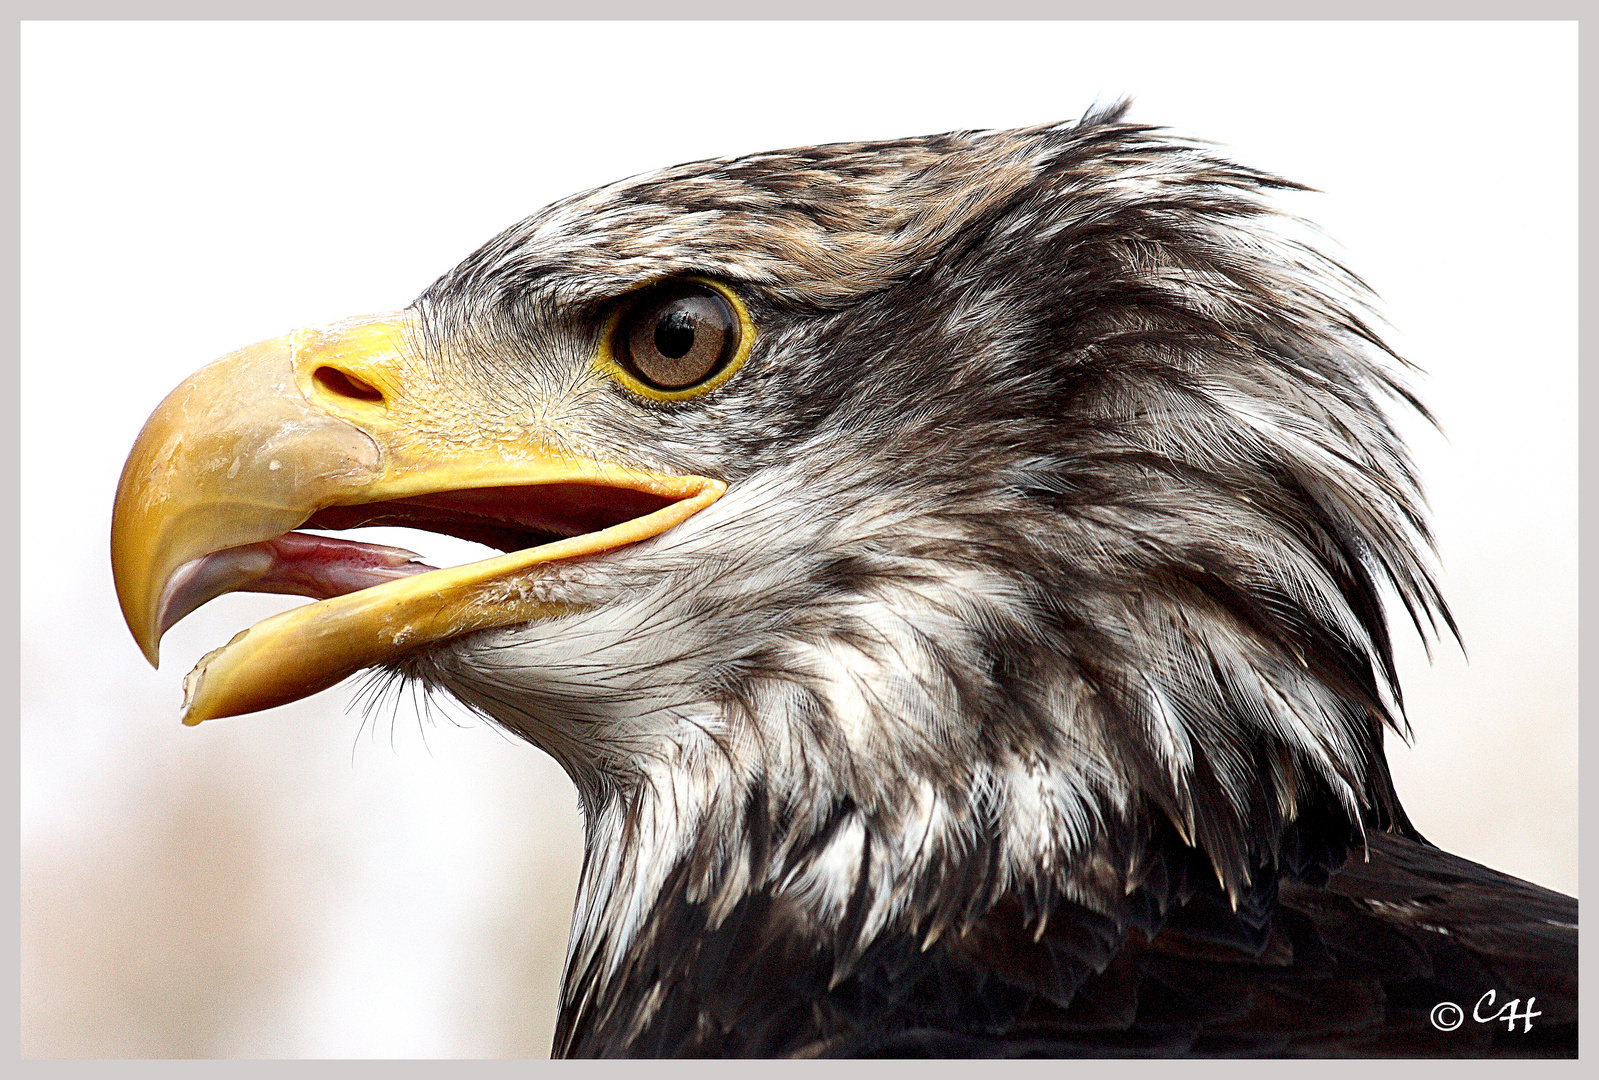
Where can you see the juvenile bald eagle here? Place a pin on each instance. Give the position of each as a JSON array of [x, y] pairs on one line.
[[950, 570]]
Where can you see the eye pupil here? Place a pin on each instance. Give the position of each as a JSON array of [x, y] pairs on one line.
[[674, 334], [677, 335]]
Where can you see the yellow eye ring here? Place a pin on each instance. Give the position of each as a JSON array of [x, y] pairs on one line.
[[607, 362]]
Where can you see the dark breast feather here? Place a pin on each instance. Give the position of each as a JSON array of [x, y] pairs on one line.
[[1349, 967]]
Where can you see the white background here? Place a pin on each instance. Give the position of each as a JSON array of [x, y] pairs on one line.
[[298, 884]]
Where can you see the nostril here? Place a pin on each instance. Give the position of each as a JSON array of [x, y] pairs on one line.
[[342, 384]]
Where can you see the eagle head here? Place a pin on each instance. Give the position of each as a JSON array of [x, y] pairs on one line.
[[894, 534]]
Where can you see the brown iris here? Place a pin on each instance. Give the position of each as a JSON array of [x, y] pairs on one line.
[[678, 335]]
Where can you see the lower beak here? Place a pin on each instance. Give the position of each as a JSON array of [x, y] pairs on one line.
[[338, 427]]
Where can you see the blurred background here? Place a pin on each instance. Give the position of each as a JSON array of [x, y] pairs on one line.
[[319, 881]]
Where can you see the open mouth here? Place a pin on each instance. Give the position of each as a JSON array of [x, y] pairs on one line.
[[376, 603], [508, 519]]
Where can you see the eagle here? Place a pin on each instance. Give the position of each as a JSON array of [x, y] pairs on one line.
[[952, 571]]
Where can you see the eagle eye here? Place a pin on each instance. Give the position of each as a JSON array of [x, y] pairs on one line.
[[678, 339]]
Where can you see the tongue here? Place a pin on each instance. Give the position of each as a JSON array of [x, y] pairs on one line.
[[294, 563]]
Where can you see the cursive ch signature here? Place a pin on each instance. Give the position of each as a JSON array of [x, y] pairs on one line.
[[1447, 1016]]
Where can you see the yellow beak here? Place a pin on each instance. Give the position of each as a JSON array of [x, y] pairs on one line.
[[348, 416]]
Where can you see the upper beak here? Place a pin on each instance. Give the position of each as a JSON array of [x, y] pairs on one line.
[[262, 441]]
